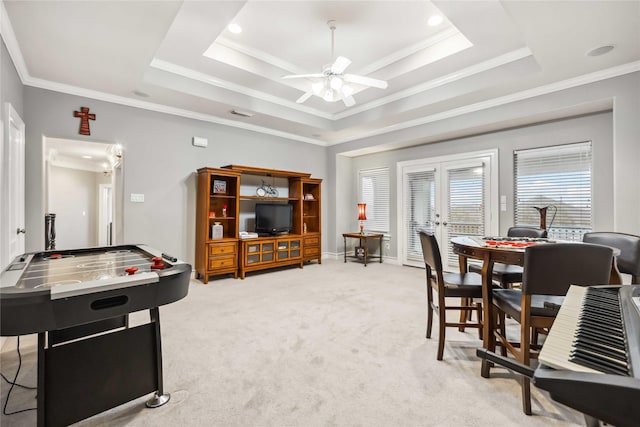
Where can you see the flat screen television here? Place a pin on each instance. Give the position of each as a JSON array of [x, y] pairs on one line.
[[274, 219]]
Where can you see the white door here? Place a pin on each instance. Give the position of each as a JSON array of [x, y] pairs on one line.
[[13, 186], [449, 198]]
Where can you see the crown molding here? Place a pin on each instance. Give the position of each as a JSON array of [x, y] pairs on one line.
[[409, 50], [594, 77], [257, 54], [9, 37], [498, 61], [146, 105], [188, 73]]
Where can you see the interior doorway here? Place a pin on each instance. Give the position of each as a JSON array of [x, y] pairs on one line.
[[83, 191]]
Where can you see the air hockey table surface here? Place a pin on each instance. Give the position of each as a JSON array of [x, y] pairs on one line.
[[51, 290]]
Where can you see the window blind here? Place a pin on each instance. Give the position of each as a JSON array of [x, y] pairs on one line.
[[557, 176], [374, 191], [466, 210], [420, 209]]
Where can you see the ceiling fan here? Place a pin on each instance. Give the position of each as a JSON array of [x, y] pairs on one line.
[[332, 84]]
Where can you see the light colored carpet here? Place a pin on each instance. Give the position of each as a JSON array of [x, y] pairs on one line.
[[328, 345]]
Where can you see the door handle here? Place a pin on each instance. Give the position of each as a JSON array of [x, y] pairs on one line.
[[21, 230], [437, 222], [444, 223]]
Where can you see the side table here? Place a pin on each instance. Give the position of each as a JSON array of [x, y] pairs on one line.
[[363, 239]]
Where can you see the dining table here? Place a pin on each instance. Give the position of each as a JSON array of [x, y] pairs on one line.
[[506, 251]]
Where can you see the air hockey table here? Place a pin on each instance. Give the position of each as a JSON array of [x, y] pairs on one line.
[[78, 302]]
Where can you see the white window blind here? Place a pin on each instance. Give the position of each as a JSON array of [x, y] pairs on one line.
[[374, 191], [559, 177], [466, 207], [420, 209]]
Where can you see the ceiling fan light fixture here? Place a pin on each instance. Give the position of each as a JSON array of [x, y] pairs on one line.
[[347, 90], [335, 82], [317, 87], [332, 82]]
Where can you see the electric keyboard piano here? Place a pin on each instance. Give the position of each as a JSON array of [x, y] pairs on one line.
[[590, 360]]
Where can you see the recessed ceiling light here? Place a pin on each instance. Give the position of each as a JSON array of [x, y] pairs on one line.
[[140, 94], [600, 50], [87, 157], [235, 28], [435, 20]]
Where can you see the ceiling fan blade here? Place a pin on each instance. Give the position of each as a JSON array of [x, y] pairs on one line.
[[366, 81], [348, 101], [303, 76], [340, 64], [304, 97]]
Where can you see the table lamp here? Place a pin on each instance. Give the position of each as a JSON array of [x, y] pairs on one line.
[[362, 215]]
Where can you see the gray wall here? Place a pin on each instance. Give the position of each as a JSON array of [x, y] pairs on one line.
[[159, 162], [596, 128], [10, 82], [616, 136]]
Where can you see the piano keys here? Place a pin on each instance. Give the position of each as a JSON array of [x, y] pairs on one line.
[[590, 360]]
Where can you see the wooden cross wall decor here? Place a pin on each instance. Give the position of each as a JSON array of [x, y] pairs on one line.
[[84, 120]]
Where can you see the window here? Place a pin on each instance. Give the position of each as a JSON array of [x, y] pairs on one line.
[[374, 191], [559, 178]]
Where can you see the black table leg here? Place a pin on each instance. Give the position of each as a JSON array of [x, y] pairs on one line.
[[345, 249], [160, 398], [41, 383], [366, 250]]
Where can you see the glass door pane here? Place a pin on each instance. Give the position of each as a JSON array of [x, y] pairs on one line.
[[419, 210], [466, 213]]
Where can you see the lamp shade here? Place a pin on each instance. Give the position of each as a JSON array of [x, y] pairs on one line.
[[362, 213]]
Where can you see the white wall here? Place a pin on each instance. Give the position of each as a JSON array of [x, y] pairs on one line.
[[74, 199]]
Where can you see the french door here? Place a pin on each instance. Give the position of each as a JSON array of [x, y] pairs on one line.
[[448, 198]]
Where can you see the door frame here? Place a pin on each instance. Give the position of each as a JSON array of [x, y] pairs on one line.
[[493, 189], [105, 210], [12, 208]]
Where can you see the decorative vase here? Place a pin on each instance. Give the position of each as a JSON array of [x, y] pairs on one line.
[[217, 231]]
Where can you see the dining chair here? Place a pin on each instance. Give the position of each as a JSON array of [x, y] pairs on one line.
[[467, 286], [549, 271], [506, 274], [628, 260]]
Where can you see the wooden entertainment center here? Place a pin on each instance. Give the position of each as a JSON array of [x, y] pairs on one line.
[[228, 196]]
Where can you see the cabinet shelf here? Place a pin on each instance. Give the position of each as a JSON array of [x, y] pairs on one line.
[[268, 199]]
